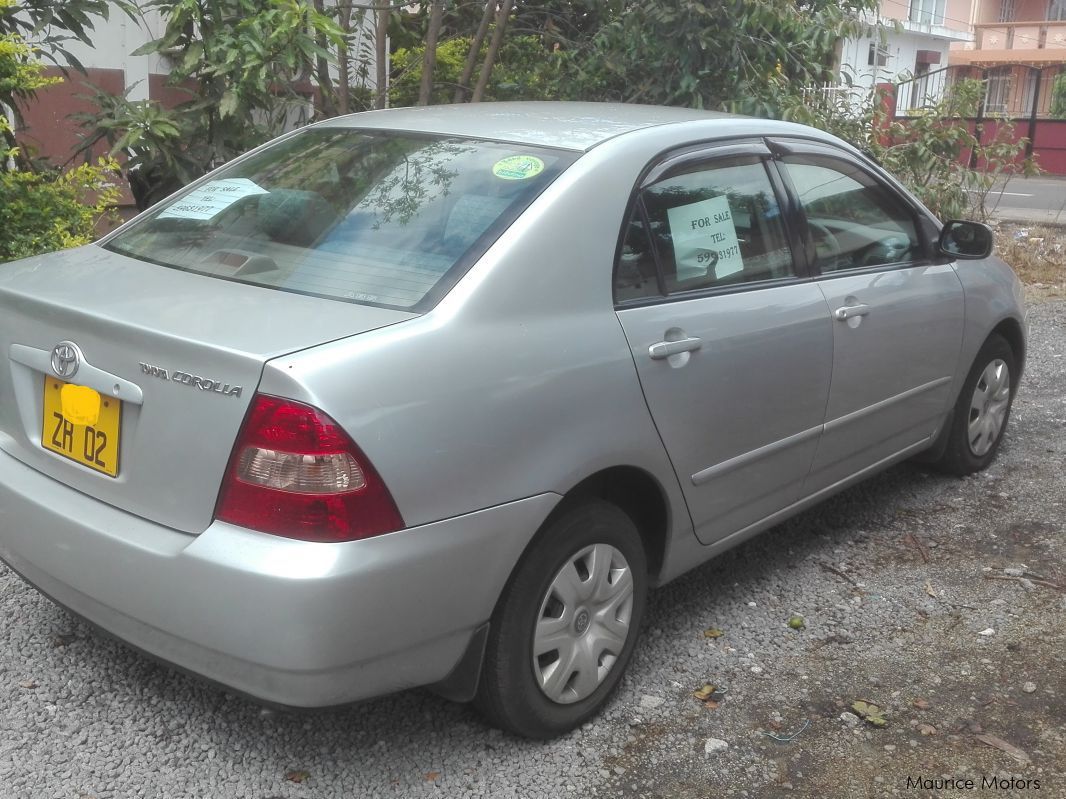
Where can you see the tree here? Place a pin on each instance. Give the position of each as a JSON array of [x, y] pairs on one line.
[[471, 24], [247, 59], [928, 151], [472, 53], [41, 28], [705, 55], [522, 71], [20, 76], [564, 24], [48, 25], [41, 210], [381, 53], [352, 59], [429, 60], [494, 48], [350, 20], [246, 66], [1058, 97]]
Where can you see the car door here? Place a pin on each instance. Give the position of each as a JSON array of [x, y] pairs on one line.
[[897, 313], [732, 344]]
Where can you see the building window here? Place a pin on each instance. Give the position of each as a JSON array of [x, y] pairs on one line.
[[1030, 98], [1006, 11], [878, 55], [929, 12], [998, 90], [1057, 10]]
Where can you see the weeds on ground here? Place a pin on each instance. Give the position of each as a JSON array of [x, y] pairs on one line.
[[1038, 256]]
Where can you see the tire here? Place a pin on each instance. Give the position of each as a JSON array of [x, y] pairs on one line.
[[582, 586], [982, 410]]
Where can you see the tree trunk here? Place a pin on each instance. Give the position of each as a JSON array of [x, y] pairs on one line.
[[429, 60], [343, 65], [494, 49], [475, 48], [325, 99], [381, 53], [21, 162]]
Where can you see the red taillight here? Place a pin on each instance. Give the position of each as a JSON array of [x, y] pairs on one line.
[[295, 472]]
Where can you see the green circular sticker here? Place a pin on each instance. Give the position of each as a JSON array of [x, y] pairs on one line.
[[518, 167]]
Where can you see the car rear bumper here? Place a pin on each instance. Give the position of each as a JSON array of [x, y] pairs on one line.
[[289, 622]]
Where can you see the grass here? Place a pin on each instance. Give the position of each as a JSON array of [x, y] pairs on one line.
[[1037, 254]]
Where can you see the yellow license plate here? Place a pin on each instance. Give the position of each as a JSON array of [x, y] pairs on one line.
[[91, 444]]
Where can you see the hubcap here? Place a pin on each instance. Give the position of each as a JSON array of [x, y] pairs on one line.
[[988, 407], [583, 623]]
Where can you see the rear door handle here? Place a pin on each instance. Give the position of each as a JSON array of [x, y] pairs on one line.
[[664, 349], [846, 312]]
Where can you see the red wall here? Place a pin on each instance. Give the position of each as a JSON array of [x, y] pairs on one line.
[[1049, 144], [46, 129], [1049, 141]]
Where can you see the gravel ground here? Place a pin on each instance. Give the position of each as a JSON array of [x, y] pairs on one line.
[[918, 593]]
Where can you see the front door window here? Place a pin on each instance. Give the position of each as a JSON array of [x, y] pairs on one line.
[[854, 221]]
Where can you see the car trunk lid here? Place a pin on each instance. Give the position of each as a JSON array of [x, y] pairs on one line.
[[183, 353]]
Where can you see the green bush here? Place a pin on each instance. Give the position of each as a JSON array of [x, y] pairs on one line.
[[1058, 96], [523, 71], [407, 70], [41, 212], [928, 151]]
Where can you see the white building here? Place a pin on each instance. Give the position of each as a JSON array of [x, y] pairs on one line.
[[916, 57]]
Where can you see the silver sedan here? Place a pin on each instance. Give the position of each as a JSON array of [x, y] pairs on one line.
[[433, 396]]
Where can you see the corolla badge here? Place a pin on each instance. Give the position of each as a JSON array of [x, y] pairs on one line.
[[66, 358], [189, 379]]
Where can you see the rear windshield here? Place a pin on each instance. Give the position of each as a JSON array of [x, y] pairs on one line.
[[379, 218]]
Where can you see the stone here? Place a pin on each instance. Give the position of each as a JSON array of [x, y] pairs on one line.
[[714, 746]]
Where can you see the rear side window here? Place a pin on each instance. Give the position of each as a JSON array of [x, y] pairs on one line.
[[853, 220], [707, 228], [379, 218]]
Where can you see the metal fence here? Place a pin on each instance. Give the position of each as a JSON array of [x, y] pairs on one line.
[[1021, 94], [922, 90], [1011, 90]]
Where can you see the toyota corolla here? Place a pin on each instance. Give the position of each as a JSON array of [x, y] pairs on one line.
[[431, 397]]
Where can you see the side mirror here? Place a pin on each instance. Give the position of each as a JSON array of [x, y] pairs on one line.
[[965, 240]]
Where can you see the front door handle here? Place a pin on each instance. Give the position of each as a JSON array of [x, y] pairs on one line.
[[664, 349], [847, 312]]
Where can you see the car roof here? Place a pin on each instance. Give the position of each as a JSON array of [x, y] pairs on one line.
[[567, 125]]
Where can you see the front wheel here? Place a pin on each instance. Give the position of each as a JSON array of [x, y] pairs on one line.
[[982, 410], [565, 627]]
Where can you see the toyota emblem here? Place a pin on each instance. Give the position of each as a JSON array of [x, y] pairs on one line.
[[66, 358]]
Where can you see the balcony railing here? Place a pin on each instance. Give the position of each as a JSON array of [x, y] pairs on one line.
[[1045, 35], [940, 30]]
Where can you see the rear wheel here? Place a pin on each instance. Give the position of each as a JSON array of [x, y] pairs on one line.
[[982, 410], [566, 624]]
